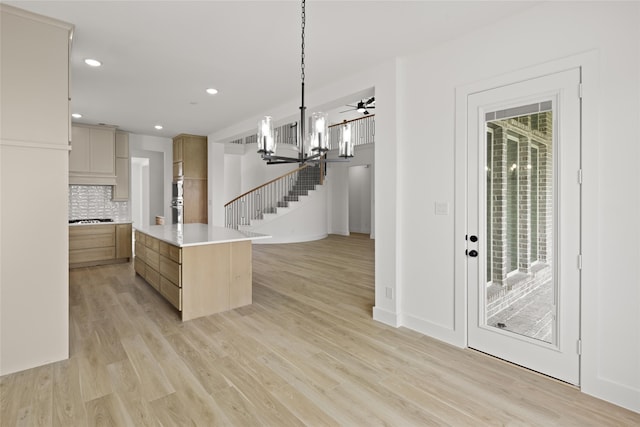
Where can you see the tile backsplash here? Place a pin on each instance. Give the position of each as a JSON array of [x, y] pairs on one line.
[[94, 201]]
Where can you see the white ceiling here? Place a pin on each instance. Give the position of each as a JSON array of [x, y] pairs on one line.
[[160, 56]]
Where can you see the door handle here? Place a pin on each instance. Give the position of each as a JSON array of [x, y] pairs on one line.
[[472, 253]]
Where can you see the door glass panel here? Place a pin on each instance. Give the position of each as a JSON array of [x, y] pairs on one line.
[[520, 289]]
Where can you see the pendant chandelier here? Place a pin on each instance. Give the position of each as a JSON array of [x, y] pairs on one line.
[[312, 146]]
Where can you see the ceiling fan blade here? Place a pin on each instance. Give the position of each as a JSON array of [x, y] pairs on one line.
[[371, 100], [345, 111]]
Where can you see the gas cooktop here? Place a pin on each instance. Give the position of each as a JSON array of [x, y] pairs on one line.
[[90, 221]]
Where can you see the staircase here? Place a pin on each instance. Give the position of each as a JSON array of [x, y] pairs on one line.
[[306, 181], [273, 198]]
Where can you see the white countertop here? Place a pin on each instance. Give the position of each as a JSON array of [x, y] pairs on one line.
[[198, 234]]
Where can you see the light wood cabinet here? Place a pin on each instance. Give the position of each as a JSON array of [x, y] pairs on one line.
[[139, 266], [122, 167], [172, 252], [171, 270], [123, 241], [92, 155], [152, 259], [190, 153], [171, 292], [177, 170], [99, 244], [190, 165], [159, 263], [198, 280], [195, 201], [194, 157], [177, 148]]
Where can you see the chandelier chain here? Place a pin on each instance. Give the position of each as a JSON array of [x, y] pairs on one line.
[[302, 55]]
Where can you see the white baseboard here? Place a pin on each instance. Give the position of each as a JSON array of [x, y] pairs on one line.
[[385, 316]]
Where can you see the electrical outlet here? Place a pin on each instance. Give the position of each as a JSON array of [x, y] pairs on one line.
[[389, 292]]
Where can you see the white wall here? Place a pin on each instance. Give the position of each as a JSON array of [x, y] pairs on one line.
[[216, 183], [139, 190], [159, 151], [255, 171], [232, 177], [426, 172]]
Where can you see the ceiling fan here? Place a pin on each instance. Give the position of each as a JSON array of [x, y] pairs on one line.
[[363, 106]]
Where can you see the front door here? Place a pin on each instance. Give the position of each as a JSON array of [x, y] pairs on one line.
[[524, 223]]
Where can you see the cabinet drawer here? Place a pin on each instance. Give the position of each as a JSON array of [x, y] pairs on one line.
[[152, 276], [93, 254], [172, 252], [141, 251], [92, 241], [89, 230], [141, 238], [152, 243], [172, 293], [152, 258], [171, 270], [139, 266]]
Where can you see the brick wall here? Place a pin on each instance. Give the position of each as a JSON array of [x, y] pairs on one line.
[[520, 194]]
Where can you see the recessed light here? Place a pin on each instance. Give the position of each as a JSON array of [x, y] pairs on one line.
[[92, 62], [76, 115], [159, 127], [212, 91]]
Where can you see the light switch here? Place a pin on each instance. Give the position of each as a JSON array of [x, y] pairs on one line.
[[442, 208]]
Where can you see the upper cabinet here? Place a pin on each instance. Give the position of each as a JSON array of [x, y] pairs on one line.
[[189, 157], [92, 156], [35, 78], [121, 189]]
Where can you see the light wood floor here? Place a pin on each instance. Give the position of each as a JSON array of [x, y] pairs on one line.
[[306, 352]]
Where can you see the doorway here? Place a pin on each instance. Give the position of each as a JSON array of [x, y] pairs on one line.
[[140, 191], [360, 188], [523, 223]]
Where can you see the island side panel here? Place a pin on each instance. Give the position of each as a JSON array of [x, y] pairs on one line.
[[205, 280], [241, 275]]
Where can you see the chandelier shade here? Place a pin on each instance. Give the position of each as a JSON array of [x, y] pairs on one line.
[[345, 148], [320, 132], [266, 137]]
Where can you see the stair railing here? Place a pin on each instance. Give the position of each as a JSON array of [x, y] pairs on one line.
[[263, 199]]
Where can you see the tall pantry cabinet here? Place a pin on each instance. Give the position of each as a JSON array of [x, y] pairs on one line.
[[191, 167], [34, 152]]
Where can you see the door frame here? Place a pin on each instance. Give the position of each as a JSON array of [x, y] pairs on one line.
[[588, 64]]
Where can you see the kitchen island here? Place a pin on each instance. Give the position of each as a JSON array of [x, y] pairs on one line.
[[199, 268]]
